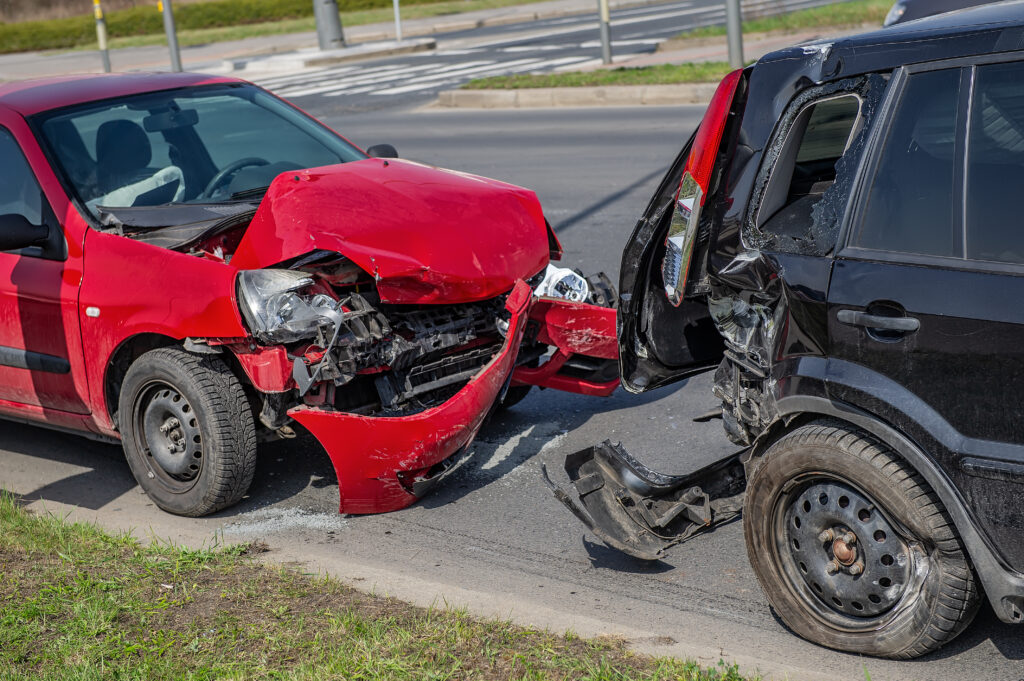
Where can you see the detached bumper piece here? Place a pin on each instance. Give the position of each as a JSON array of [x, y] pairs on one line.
[[643, 513], [385, 463], [586, 356]]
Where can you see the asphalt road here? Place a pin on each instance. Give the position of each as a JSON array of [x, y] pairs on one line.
[[492, 538], [564, 43]]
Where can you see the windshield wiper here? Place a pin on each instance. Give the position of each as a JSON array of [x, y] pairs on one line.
[[253, 193]]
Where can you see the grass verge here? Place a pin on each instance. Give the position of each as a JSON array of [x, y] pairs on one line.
[[215, 20], [78, 603], [851, 13], [204, 36], [661, 74]]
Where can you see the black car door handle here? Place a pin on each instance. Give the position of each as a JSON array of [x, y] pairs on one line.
[[873, 321]]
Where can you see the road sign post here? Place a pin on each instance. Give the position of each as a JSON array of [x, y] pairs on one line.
[[329, 33], [101, 34], [734, 28], [172, 33], [398, 22], [606, 33]]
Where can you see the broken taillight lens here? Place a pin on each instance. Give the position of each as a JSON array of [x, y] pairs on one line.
[[682, 232]]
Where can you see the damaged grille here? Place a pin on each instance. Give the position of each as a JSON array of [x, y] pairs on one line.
[[400, 359]]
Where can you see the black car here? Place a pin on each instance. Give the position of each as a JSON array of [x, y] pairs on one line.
[[842, 242], [908, 10]]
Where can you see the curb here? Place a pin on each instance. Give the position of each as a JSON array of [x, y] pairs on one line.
[[316, 58], [611, 95]]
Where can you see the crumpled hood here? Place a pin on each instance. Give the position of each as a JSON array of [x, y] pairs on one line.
[[427, 235]]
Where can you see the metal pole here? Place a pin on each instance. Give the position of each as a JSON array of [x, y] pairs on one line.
[[329, 33], [398, 22], [172, 33], [734, 27], [606, 34], [101, 34]]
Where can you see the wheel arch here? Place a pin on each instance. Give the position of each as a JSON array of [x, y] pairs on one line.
[[127, 352], [1003, 586]]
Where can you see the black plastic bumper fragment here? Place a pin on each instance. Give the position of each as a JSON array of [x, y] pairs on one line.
[[643, 513]]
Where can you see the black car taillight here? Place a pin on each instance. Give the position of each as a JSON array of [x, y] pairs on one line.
[[693, 189]]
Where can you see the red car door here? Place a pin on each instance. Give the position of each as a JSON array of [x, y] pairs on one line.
[[40, 337]]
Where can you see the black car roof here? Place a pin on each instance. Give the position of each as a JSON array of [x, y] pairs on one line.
[[987, 29]]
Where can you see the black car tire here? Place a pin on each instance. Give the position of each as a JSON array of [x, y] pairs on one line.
[[900, 532], [187, 431]]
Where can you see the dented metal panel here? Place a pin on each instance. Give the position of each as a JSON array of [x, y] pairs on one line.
[[426, 235]]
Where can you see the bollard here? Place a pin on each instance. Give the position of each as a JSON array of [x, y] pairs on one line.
[[172, 33], [734, 27], [398, 22], [329, 32], [606, 33], [101, 34]]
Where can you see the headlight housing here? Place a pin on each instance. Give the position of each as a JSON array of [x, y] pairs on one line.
[[561, 282], [276, 312]]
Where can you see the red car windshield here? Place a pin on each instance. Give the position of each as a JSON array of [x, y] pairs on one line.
[[204, 144]]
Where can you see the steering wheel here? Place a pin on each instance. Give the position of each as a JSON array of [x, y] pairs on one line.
[[229, 170]]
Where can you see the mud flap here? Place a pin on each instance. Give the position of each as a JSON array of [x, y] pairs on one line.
[[643, 513]]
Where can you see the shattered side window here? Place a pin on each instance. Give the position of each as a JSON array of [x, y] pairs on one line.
[[805, 181]]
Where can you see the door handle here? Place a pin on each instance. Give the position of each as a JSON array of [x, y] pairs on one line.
[[873, 321]]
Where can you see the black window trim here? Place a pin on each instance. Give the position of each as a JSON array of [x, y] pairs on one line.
[[873, 153]]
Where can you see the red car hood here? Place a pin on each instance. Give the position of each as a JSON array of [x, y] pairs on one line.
[[427, 235]]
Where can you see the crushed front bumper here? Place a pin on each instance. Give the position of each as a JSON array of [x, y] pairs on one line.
[[386, 463]]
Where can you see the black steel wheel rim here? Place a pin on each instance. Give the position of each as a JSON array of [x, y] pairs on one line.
[[851, 565], [167, 433]]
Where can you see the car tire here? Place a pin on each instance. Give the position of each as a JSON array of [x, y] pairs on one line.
[[900, 587], [187, 431]]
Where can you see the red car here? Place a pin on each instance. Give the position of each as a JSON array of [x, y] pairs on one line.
[[190, 263]]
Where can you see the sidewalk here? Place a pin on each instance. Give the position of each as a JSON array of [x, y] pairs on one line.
[[710, 49], [211, 56]]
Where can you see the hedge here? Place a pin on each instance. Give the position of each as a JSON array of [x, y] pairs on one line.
[[81, 30]]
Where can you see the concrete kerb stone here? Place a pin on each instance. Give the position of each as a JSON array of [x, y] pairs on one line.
[[610, 95]]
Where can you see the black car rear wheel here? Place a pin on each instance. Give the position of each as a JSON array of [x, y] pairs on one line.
[[187, 431], [852, 548]]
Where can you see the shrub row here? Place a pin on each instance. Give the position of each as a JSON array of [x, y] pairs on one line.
[[81, 30]]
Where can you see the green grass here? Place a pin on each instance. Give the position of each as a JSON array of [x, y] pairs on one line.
[[840, 15], [213, 20], [202, 36], [79, 604], [661, 74]]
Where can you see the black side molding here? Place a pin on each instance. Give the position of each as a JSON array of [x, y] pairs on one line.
[[33, 361]]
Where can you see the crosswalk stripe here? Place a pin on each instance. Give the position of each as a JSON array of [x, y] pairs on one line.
[[340, 84], [321, 78], [518, 66], [377, 83]]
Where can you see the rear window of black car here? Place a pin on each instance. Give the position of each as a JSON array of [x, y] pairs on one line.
[[995, 165], [910, 206]]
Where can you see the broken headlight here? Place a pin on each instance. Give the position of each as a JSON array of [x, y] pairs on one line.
[[561, 282], [275, 310]]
